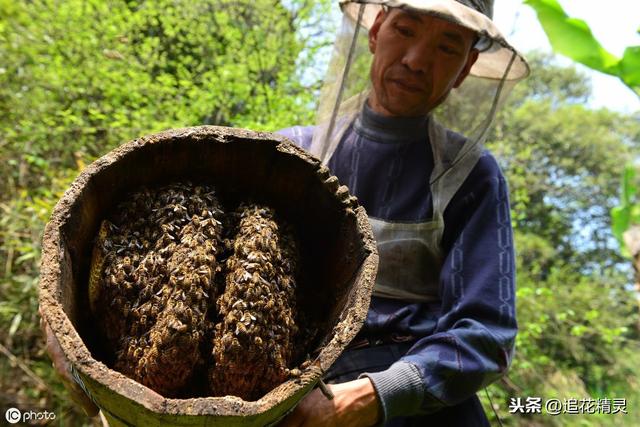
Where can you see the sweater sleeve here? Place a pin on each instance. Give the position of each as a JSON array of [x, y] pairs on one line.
[[473, 342], [300, 135]]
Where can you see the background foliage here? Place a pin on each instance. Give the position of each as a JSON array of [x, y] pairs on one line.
[[578, 313], [572, 37], [79, 77]]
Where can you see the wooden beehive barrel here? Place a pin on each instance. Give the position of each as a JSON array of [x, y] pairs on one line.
[[338, 253]]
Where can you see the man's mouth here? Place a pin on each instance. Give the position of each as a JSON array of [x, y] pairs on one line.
[[408, 85]]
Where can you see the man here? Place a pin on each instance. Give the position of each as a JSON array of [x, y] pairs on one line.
[[441, 324]]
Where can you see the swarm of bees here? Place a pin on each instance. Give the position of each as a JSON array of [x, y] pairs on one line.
[[175, 283], [257, 307]]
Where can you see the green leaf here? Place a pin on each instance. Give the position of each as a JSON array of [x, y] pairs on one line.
[[630, 67], [627, 213], [26, 256], [578, 330], [15, 324], [629, 189], [620, 221], [572, 37], [592, 315]]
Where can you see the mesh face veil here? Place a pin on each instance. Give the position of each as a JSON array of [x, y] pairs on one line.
[[468, 109], [459, 115]]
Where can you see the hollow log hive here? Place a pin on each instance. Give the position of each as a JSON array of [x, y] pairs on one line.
[[167, 301]]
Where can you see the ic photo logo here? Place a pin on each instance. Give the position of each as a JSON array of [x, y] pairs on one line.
[[14, 415]]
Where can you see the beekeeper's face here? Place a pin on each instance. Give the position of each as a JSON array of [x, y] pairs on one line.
[[417, 60]]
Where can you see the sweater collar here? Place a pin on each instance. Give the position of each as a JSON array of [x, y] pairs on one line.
[[390, 129]]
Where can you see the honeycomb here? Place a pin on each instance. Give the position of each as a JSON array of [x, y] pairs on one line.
[[176, 283], [252, 346]]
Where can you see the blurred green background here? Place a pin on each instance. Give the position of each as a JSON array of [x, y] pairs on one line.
[[80, 77]]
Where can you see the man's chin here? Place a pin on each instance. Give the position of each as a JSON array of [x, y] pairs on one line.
[[399, 107], [404, 110]]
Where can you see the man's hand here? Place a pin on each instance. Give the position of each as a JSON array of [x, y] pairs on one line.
[[61, 365], [355, 404]]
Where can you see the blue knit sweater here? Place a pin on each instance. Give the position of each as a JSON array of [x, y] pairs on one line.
[[467, 338]]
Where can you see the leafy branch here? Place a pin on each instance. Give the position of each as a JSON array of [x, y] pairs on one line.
[[573, 38]]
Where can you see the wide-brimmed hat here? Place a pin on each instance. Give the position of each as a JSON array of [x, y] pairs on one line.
[[496, 54]]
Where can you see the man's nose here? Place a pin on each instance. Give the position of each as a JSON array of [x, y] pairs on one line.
[[417, 58]]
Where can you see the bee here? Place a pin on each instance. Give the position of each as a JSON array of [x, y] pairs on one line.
[[247, 318], [119, 276], [177, 325], [203, 269], [137, 353], [240, 303], [186, 282], [178, 208], [227, 341], [270, 304], [232, 317], [241, 329], [295, 372]]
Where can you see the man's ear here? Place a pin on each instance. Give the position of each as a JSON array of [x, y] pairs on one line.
[[373, 31], [471, 59]]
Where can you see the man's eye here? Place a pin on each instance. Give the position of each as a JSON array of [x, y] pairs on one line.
[[449, 50], [404, 31]]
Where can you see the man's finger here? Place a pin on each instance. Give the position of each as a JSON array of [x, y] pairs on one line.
[[295, 418]]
